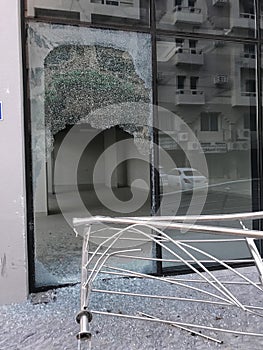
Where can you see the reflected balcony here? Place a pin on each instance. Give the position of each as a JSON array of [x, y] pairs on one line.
[[238, 146], [84, 9], [117, 8], [189, 97], [184, 56], [243, 98], [181, 14], [245, 20], [210, 136]]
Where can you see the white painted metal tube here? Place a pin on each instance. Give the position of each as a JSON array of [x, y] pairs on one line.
[[178, 323], [184, 328], [186, 218], [179, 226]]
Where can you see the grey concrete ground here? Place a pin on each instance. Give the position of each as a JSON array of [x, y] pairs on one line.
[[52, 326]]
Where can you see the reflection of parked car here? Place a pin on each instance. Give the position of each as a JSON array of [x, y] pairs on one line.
[[186, 179], [163, 177]]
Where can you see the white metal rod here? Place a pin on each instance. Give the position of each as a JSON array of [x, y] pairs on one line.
[[221, 288], [172, 252], [222, 240], [84, 272], [162, 234], [177, 260], [184, 328], [170, 281], [150, 296], [191, 300], [106, 257], [178, 279], [225, 265], [177, 323], [257, 258], [114, 238], [126, 238], [178, 226], [223, 291], [185, 218]]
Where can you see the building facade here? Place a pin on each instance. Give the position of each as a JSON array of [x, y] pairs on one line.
[[106, 105]]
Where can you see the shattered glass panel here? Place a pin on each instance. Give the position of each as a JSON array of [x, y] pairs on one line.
[[91, 115]]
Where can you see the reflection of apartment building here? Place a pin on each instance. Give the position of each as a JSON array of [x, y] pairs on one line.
[[212, 16], [186, 12], [242, 14], [211, 85], [85, 10]]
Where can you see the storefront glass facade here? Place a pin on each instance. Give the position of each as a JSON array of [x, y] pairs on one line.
[[106, 80]]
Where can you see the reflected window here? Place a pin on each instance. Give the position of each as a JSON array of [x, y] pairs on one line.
[[178, 2], [249, 51], [191, 3], [192, 46], [250, 86], [209, 121], [193, 83], [49, 13], [180, 82], [179, 42], [248, 82], [247, 8]]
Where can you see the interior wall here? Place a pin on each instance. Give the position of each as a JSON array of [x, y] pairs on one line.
[[124, 172], [64, 172]]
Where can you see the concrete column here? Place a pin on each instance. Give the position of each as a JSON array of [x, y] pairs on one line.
[[13, 257]]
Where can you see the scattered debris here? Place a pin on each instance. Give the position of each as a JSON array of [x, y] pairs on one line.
[[43, 297]]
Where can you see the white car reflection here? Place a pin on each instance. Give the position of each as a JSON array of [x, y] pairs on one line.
[[186, 179], [163, 177]]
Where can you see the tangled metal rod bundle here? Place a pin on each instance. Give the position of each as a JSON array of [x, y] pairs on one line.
[[107, 240]]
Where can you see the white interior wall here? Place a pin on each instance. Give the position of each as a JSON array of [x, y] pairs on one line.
[[73, 147], [13, 257]]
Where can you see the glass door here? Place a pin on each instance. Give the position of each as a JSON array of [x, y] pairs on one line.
[[90, 93]]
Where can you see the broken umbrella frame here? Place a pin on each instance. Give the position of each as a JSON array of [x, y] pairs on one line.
[[152, 229]]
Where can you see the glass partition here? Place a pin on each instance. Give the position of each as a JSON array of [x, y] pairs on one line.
[[218, 17], [209, 133], [90, 93], [103, 12]]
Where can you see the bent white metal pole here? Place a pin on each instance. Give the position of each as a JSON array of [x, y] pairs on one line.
[[179, 226], [183, 328], [185, 218], [177, 323], [84, 316]]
